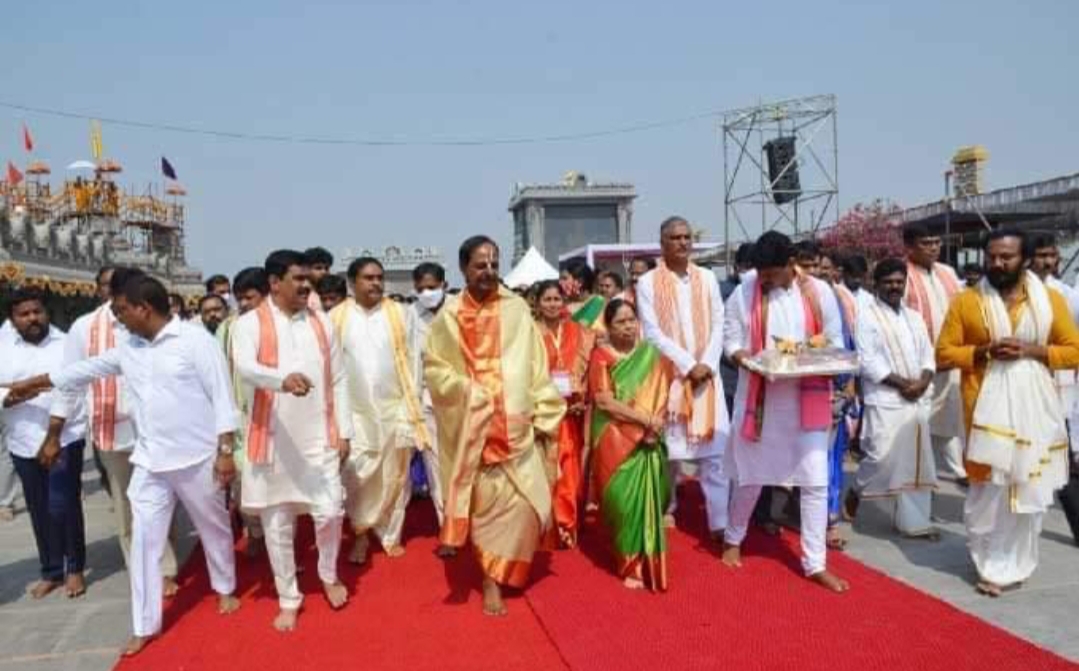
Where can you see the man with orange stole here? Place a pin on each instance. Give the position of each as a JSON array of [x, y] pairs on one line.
[[1005, 336], [486, 369]]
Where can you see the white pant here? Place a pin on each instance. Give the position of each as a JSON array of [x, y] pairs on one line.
[[153, 499], [814, 508], [118, 470], [949, 455], [279, 527], [1003, 544], [714, 483], [7, 478]]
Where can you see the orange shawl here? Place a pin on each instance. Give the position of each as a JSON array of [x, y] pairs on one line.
[[698, 411], [103, 392], [258, 433]]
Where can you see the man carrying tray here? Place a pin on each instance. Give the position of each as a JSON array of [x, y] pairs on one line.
[[779, 304]]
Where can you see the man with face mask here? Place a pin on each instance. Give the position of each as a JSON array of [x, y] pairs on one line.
[[897, 370], [384, 405], [51, 478], [1005, 337], [429, 282]]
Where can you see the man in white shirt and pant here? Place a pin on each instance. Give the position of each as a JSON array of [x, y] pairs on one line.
[[681, 309], [110, 430], [51, 476], [185, 418]]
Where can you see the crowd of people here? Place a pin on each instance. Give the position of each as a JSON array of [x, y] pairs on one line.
[[517, 410]]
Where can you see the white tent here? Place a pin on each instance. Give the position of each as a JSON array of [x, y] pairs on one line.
[[530, 269]]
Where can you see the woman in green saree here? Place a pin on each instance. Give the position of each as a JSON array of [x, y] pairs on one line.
[[628, 382]]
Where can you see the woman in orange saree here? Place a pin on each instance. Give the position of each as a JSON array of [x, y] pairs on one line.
[[569, 346], [628, 382]]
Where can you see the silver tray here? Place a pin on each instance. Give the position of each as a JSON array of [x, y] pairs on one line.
[[824, 362]]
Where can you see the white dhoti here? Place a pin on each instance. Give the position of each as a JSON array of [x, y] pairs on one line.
[[431, 465], [898, 463], [153, 499], [1003, 544], [813, 505], [378, 488]]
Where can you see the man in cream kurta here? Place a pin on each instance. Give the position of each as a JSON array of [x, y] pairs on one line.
[[385, 408], [931, 286], [301, 474], [785, 453], [689, 359], [897, 371]]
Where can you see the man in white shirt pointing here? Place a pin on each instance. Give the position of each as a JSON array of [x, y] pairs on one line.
[[184, 417]]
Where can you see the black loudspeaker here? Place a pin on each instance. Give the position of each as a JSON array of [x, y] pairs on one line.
[[780, 152]]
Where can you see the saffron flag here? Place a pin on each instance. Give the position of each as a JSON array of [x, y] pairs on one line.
[[167, 168], [13, 174], [95, 140], [27, 139]]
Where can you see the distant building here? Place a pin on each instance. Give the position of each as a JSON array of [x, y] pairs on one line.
[[397, 262], [557, 218]]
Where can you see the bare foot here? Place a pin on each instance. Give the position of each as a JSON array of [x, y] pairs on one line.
[[669, 521], [170, 586], [227, 603], [394, 550], [989, 589], [492, 599], [41, 588], [834, 539], [134, 645], [633, 583], [566, 538], [932, 536], [445, 551], [75, 585], [358, 555], [732, 555], [336, 594], [830, 581], [256, 547], [286, 619]]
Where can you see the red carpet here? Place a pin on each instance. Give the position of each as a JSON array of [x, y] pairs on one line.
[[417, 612]]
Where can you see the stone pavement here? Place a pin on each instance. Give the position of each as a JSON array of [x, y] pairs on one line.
[[57, 634]]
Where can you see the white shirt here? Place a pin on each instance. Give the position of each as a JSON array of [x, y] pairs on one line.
[[421, 319], [78, 348], [892, 342], [25, 424], [6, 330], [178, 386]]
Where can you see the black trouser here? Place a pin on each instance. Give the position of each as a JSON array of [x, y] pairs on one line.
[[54, 501]]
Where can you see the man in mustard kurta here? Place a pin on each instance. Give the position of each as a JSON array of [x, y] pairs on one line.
[[486, 370], [1005, 335]]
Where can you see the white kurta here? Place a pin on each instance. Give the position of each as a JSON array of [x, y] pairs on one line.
[[678, 448], [303, 468], [786, 454], [1067, 380], [377, 475], [895, 431]]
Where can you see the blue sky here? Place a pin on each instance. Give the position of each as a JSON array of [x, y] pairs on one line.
[[914, 80]]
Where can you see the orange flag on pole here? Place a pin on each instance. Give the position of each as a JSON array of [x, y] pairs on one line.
[[13, 174], [27, 139]]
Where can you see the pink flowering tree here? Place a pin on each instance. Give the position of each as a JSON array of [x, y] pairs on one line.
[[872, 230]]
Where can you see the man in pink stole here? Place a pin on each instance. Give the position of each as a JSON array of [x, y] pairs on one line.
[[299, 428], [780, 430], [931, 286]]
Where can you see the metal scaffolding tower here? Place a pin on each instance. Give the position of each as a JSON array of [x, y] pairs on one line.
[[751, 190]]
